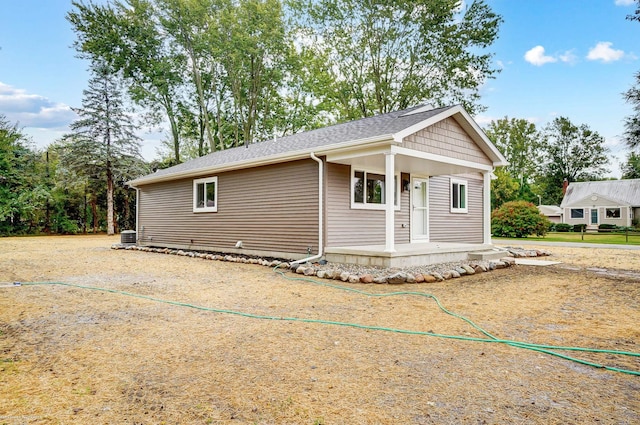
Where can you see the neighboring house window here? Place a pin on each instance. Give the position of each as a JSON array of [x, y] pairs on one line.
[[368, 190], [613, 212], [459, 196], [205, 195], [577, 213]]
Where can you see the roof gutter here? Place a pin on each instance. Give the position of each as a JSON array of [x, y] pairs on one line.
[[320, 212]]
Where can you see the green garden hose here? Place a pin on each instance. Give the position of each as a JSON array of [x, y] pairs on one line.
[[546, 349]]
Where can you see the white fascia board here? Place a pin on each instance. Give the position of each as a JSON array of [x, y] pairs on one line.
[[267, 160], [476, 133], [441, 158]]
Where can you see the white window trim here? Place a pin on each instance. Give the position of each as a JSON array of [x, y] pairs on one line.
[[196, 182], [364, 205], [612, 218], [576, 218], [464, 210]]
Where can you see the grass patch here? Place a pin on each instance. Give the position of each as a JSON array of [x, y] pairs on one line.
[[588, 237]]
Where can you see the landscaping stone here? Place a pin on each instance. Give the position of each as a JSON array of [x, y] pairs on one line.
[[468, 269], [428, 278], [366, 278], [354, 278], [354, 273], [437, 276], [397, 278]]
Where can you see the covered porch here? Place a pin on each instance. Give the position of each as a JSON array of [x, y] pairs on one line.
[[412, 254]]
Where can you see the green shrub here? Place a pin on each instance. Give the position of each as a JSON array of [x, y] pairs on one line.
[[606, 228], [563, 227], [579, 227], [518, 219]]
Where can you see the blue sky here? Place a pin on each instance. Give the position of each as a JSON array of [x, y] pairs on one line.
[[570, 58]]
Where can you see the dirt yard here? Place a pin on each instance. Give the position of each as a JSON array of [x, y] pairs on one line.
[[77, 355]]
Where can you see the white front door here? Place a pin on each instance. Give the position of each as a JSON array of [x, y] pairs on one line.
[[420, 210]]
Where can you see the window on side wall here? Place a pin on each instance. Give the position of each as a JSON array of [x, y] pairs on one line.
[[577, 213], [368, 190], [459, 197], [205, 195], [613, 213]]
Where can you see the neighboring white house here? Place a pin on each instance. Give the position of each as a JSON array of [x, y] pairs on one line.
[[552, 212], [602, 202]]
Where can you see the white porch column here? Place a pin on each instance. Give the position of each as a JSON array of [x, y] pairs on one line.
[[389, 195], [486, 202]]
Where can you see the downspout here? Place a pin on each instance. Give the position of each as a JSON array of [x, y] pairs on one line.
[[137, 214], [320, 212]]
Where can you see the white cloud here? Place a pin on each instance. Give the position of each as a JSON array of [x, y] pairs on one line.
[[536, 56], [32, 110], [568, 57], [624, 2], [604, 52]]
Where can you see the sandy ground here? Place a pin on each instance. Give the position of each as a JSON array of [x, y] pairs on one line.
[[121, 354]]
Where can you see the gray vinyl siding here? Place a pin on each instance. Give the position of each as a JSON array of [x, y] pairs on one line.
[[353, 227], [445, 226], [447, 138], [272, 208]]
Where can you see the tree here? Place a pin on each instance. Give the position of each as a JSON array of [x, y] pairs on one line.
[[504, 188], [632, 123], [103, 144], [519, 141], [632, 96], [23, 193], [127, 37], [636, 15], [570, 152], [631, 169], [386, 55]]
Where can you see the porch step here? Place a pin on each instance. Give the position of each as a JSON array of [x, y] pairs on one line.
[[492, 254]]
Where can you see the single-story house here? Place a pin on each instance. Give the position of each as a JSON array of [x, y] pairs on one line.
[[552, 212], [392, 190], [599, 202]]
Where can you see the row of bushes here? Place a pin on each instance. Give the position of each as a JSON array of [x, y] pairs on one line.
[[602, 228]]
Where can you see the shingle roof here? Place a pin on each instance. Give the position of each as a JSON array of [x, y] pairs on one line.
[[625, 192], [550, 210], [367, 128]]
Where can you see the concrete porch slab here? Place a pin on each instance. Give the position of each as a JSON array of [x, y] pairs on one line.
[[534, 262], [405, 255]]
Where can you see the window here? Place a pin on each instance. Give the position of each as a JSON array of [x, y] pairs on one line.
[[205, 195], [577, 213], [458, 196], [368, 190], [613, 212]]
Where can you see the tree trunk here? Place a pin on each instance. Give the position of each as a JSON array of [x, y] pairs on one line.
[[110, 226], [94, 211]]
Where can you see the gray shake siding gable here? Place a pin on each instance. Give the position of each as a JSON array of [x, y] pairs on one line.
[[272, 209]]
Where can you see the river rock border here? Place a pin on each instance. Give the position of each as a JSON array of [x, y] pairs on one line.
[[359, 274]]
